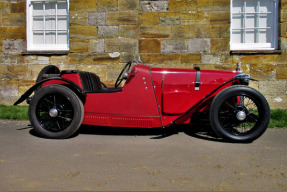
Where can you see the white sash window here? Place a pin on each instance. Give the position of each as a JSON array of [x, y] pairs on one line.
[[47, 25], [254, 25]]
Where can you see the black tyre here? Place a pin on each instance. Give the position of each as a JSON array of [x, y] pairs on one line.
[[239, 113], [50, 69], [56, 112]]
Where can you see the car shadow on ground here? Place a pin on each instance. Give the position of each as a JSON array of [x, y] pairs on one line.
[[199, 131]]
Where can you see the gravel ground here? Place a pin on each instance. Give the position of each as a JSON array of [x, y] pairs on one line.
[[109, 159]]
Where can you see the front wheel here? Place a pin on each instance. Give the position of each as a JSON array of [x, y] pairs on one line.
[[56, 112], [240, 114]]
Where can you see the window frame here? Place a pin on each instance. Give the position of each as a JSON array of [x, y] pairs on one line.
[[257, 46], [29, 30]]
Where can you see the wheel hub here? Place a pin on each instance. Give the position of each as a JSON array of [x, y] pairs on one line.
[[53, 112], [241, 115]]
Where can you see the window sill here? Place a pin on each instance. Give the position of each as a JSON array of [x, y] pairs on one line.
[[254, 52], [45, 52]]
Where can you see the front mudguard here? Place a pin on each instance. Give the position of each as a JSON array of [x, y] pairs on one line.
[[71, 85]]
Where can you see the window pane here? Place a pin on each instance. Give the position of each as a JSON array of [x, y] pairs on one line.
[[62, 8], [265, 20], [250, 21], [250, 36], [264, 36], [251, 6], [62, 22], [50, 23], [62, 38], [38, 23], [38, 37], [37, 8], [237, 6], [50, 37], [237, 36], [266, 6], [237, 21], [50, 8]]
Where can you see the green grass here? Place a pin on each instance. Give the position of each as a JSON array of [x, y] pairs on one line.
[[278, 116], [14, 112]]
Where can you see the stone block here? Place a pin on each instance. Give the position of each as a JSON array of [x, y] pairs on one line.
[[149, 46], [98, 18], [220, 45], [283, 15], [229, 59], [174, 46], [129, 31], [43, 60], [78, 18], [183, 5], [80, 59], [281, 71], [169, 18], [86, 6], [252, 59], [121, 45], [14, 19], [125, 5], [214, 5], [107, 5], [59, 60], [18, 7], [213, 31], [196, 17], [148, 18], [108, 31], [283, 43], [183, 31], [210, 59], [191, 58], [122, 18], [159, 58], [155, 31], [79, 46], [198, 45], [277, 87], [8, 59], [5, 8], [1, 47], [277, 102], [13, 46], [219, 17], [12, 33], [105, 58], [283, 30], [97, 46], [154, 6], [100, 70], [83, 32], [9, 90], [126, 57], [283, 4], [18, 72], [262, 71]]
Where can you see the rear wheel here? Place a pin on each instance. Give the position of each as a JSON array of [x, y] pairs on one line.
[[239, 113], [56, 112]]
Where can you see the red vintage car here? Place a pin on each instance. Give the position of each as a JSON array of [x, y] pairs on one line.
[[150, 98]]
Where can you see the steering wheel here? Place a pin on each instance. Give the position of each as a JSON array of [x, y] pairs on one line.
[[121, 76]]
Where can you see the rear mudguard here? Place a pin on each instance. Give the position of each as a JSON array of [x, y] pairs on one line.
[[71, 84]]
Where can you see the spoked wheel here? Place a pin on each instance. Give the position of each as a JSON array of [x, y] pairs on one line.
[[56, 112], [239, 113]]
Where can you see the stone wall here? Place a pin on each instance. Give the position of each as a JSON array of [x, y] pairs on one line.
[[105, 34]]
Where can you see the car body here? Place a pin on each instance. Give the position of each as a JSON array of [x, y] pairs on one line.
[[150, 98]]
